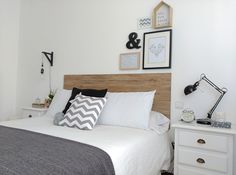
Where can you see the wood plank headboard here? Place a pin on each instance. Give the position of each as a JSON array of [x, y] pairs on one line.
[[128, 83]]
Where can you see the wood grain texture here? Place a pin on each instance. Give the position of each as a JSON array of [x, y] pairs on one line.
[[128, 83]]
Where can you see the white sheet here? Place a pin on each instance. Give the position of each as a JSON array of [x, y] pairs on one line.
[[133, 151]]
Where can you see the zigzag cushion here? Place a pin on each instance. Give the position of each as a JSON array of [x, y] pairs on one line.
[[83, 112]]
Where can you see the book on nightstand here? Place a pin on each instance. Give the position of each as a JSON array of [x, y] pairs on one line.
[[38, 105]]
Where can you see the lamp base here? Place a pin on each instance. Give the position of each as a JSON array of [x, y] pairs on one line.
[[204, 121]]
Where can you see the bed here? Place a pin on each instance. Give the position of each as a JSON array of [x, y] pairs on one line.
[[132, 151]]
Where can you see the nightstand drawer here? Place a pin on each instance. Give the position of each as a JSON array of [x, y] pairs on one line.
[[182, 170], [33, 112], [203, 159], [203, 140]]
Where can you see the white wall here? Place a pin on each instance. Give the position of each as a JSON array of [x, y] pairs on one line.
[[9, 25], [88, 36], [203, 42]]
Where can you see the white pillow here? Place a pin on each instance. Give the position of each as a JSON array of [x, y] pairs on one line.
[[158, 122], [59, 102], [131, 109], [157, 118]]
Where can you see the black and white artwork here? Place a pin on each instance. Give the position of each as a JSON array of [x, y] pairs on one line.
[[157, 50], [144, 23], [130, 61]]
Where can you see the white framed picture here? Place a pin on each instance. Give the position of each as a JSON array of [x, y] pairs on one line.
[[157, 49], [130, 61]]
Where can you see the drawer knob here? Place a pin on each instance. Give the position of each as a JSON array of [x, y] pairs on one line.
[[200, 160], [201, 141], [30, 116]]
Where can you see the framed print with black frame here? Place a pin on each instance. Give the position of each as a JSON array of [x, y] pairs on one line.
[[157, 49]]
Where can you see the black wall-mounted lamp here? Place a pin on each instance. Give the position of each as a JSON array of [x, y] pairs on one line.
[[49, 57], [191, 88]]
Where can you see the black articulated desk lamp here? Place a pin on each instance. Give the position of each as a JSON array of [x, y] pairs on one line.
[[190, 88]]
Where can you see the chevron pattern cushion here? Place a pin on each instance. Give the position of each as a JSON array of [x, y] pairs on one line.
[[83, 112]]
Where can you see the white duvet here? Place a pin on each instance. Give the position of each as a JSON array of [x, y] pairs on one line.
[[133, 151]]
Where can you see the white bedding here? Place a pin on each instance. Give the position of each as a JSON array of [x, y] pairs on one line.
[[133, 151]]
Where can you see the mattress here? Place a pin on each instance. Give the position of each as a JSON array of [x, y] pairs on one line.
[[133, 151]]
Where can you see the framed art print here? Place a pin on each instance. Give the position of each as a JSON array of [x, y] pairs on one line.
[[157, 49], [130, 61], [162, 15]]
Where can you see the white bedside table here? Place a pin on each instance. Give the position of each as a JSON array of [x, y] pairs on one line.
[[33, 112], [203, 150]]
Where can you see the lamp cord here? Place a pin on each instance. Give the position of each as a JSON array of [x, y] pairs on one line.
[[50, 79]]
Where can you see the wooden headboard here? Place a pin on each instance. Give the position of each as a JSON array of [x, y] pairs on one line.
[[128, 83]]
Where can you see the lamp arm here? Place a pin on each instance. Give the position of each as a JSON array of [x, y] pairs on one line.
[[209, 114], [222, 91], [212, 84]]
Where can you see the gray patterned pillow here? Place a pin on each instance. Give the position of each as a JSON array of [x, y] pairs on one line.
[[83, 112]]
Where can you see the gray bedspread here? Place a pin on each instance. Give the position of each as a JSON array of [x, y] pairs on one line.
[[28, 153]]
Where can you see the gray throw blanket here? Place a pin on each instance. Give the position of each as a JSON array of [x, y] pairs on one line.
[[28, 153]]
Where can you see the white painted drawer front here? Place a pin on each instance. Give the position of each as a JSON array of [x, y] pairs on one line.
[[216, 162], [196, 171], [31, 113], [202, 140]]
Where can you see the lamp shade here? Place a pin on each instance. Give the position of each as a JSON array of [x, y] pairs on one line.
[[190, 88]]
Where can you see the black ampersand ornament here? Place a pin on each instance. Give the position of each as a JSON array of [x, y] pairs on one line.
[[133, 42]]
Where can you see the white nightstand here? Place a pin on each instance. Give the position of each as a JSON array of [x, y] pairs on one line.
[[203, 150], [33, 112]]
